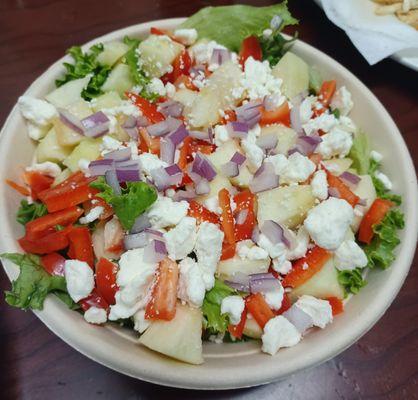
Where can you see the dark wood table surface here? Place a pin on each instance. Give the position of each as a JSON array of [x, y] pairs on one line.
[[35, 364]]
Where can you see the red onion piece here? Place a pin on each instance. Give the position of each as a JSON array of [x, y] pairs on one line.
[[202, 187], [249, 113], [203, 167], [295, 120], [362, 202], [99, 167], [128, 174], [163, 180], [264, 179], [153, 233], [334, 192], [210, 134], [164, 127], [178, 135], [142, 121], [306, 145], [299, 318], [187, 194], [142, 222], [230, 169], [199, 135], [167, 150], [241, 217], [263, 283], [239, 281], [119, 155], [350, 179], [171, 108], [155, 251], [95, 125], [173, 170], [237, 129], [219, 56], [130, 127], [273, 231], [135, 240], [267, 141], [255, 236], [71, 120], [238, 158], [112, 180]]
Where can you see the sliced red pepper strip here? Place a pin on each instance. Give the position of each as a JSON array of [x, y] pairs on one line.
[[259, 309], [279, 115], [286, 304], [81, 246], [228, 250], [148, 109], [201, 213], [343, 190], [19, 188], [93, 300], [373, 217], [245, 201], [53, 264], [227, 219], [336, 304], [47, 244], [37, 182], [325, 96], [106, 280], [237, 330], [250, 47]]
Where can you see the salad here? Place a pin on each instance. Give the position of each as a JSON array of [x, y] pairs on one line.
[[201, 184]]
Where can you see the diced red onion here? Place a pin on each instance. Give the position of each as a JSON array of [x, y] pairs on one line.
[[71, 120], [112, 180], [142, 222], [263, 283], [230, 169], [187, 194], [99, 167], [255, 236], [295, 120], [171, 108], [95, 125], [349, 178], [203, 167], [199, 135], [167, 150], [237, 129], [249, 113], [155, 251], [202, 187], [164, 127], [119, 154], [334, 192], [299, 318], [163, 179], [178, 135], [154, 233], [132, 132], [267, 141], [219, 56], [270, 103], [173, 170], [142, 121], [362, 202], [306, 145], [128, 174], [210, 134], [128, 164], [265, 179], [241, 217], [135, 240], [239, 281], [238, 158], [274, 232], [130, 127]]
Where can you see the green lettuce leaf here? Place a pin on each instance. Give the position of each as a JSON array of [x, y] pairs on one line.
[[139, 77], [380, 252], [84, 64], [275, 46], [32, 286], [28, 212], [380, 188], [315, 80], [230, 25], [134, 200], [352, 281], [360, 153], [215, 322]]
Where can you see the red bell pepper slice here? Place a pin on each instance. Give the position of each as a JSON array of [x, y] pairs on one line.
[[325, 95], [245, 201], [148, 109], [81, 246], [148, 143], [37, 182], [280, 115], [106, 280], [201, 146], [93, 300], [343, 190], [98, 202], [315, 259], [181, 67], [259, 309], [19, 188], [227, 219], [228, 250], [286, 304], [237, 330], [46, 224], [336, 304], [164, 293], [201, 213], [53, 264], [250, 47], [229, 116], [373, 217], [47, 244]]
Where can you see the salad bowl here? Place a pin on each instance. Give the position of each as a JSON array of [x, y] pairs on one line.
[[227, 365]]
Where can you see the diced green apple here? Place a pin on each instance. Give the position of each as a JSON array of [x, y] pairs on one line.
[[112, 52], [88, 149], [107, 100], [119, 80], [69, 93], [50, 150], [337, 165], [228, 268]]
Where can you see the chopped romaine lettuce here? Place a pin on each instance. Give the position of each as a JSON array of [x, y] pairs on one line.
[[275, 46], [230, 25], [352, 281], [134, 200], [360, 153], [315, 80], [32, 286], [28, 212]]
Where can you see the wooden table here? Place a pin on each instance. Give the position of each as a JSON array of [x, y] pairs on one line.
[[35, 364]]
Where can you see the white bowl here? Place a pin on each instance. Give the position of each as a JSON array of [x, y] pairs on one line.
[[227, 365]]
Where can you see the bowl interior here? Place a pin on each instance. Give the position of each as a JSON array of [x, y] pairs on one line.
[[226, 365]]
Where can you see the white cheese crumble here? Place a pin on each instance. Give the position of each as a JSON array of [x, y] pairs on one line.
[[140, 323], [221, 135], [319, 185], [180, 240], [170, 89], [212, 204], [327, 223], [92, 215], [134, 279], [208, 251], [299, 246], [38, 112], [125, 107], [191, 288], [202, 51], [246, 249], [281, 265], [233, 306], [337, 142], [349, 256], [79, 278], [156, 86], [274, 298], [109, 144], [186, 36], [149, 162], [342, 100], [319, 310], [384, 179], [274, 250], [376, 156], [46, 168], [305, 108], [165, 212], [296, 168], [255, 154], [278, 333], [325, 122], [95, 315]]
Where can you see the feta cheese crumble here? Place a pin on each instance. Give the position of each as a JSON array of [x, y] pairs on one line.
[[324, 122], [342, 100], [319, 185], [327, 223], [92, 215], [156, 86], [384, 179], [46, 168], [191, 287], [221, 135], [202, 51], [186, 36], [274, 298], [255, 154], [95, 315], [246, 249], [140, 323], [233, 306], [278, 333], [37, 111], [349, 256], [165, 212], [319, 310], [180, 240], [79, 278], [337, 142]]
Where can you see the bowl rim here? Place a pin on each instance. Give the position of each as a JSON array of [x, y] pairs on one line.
[[194, 379]]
